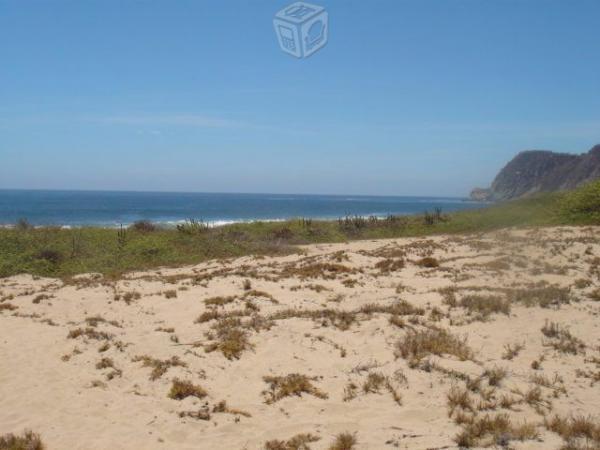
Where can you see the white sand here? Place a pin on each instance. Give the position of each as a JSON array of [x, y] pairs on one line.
[[44, 390]]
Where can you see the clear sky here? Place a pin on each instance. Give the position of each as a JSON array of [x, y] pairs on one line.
[[420, 97]]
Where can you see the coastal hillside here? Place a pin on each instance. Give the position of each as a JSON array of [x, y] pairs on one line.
[[535, 171]]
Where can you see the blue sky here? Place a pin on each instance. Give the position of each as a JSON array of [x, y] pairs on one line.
[[420, 97]]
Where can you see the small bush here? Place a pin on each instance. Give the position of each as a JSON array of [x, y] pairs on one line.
[[193, 226], [23, 225], [52, 256], [143, 226], [183, 389], [231, 339], [583, 202]]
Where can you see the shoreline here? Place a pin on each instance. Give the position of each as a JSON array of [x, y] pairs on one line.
[[111, 209], [172, 224]]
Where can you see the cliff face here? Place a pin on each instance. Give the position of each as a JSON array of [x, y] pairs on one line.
[[536, 171]]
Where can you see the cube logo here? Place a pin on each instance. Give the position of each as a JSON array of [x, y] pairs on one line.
[[301, 28]]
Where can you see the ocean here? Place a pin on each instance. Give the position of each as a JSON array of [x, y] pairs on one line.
[[111, 208]]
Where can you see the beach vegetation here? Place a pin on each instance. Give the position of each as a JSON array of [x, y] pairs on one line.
[[297, 442], [143, 226], [159, 367], [344, 441], [28, 440], [181, 389], [294, 384], [416, 345], [49, 250]]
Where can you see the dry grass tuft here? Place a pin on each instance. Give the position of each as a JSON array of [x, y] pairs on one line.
[[201, 414], [230, 338], [388, 265], [108, 363], [183, 389], [428, 262], [298, 442], [26, 441], [39, 298], [222, 407], [594, 295], [459, 399], [545, 297], [561, 339], [213, 314], [398, 308], [171, 293], [89, 333], [374, 383], [579, 432], [105, 363], [339, 319], [495, 376], [128, 297], [259, 294], [327, 271], [159, 367], [485, 306], [416, 345], [490, 431], [95, 320], [219, 301], [512, 350], [344, 441], [7, 307], [293, 384]]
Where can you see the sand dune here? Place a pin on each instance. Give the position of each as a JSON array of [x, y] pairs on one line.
[[477, 340]]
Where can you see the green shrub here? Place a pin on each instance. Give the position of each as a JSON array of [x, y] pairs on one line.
[[583, 203]]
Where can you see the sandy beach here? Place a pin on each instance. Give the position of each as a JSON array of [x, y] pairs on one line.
[[420, 343]]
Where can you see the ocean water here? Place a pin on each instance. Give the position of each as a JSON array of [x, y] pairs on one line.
[[110, 208]]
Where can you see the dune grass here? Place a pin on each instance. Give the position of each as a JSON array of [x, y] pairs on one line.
[[28, 440], [52, 251]]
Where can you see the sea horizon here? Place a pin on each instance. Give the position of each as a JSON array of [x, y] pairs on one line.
[[113, 208]]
